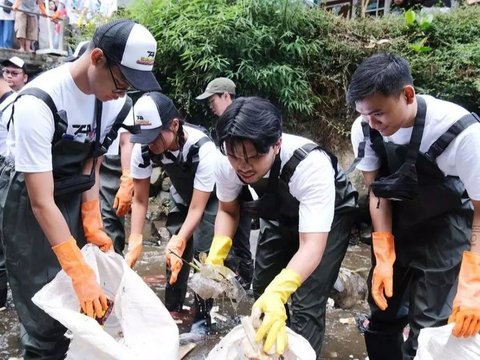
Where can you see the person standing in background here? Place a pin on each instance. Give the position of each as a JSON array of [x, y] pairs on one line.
[[26, 24], [7, 20], [219, 94], [15, 73]]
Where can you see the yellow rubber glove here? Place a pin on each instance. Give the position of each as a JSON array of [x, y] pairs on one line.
[[382, 279], [92, 299], [466, 305], [135, 247], [123, 198], [177, 246], [272, 304], [93, 225], [219, 249]]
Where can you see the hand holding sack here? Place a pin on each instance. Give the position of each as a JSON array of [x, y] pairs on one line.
[[174, 261], [219, 249], [272, 303], [135, 246], [93, 225], [382, 279], [123, 198], [92, 299], [466, 305]]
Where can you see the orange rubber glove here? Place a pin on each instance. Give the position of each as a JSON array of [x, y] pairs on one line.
[[93, 225], [92, 299], [219, 249], [382, 280], [466, 305], [272, 304], [135, 247], [123, 198], [176, 245]]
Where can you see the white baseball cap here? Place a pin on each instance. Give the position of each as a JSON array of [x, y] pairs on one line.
[[132, 48], [154, 112]]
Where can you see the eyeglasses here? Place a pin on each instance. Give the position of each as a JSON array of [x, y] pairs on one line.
[[118, 89], [7, 72]]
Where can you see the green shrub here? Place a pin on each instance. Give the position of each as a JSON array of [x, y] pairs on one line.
[[302, 58]]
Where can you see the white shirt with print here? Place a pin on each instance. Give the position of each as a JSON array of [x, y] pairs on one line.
[[207, 157], [312, 184], [461, 158], [29, 141]]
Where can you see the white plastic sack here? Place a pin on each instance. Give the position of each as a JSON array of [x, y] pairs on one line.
[[230, 347], [139, 327], [439, 344]]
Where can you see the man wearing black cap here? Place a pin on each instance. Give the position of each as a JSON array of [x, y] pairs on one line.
[[15, 73], [51, 167]]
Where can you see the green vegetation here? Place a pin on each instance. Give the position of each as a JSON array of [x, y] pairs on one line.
[[302, 58]]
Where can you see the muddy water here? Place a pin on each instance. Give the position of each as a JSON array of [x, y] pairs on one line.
[[342, 340]]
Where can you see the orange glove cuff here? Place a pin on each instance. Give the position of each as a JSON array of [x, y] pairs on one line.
[[93, 225], [383, 247], [468, 289]]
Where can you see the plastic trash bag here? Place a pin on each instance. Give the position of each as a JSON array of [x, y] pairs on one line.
[[234, 346], [139, 326], [439, 344], [213, 281]]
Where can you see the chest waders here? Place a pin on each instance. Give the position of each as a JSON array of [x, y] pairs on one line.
[[279, 240], [110, 172], [3, 270], [431, 232], [30, 261], [182, 174]]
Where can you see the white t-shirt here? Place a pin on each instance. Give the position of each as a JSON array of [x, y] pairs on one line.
[[207, 157], [461, 158], [6, 111], [29, 141], [312, 184]]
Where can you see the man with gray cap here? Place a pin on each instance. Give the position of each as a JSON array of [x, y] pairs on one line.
[[50, 207], [220, 93]]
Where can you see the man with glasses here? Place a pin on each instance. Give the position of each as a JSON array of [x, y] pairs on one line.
[[45, 223], [15, 73], [306, 207]]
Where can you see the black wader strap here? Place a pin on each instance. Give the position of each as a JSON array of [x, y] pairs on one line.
[[112, 134], [415, 139], [417, 132], [443, 141], [6, 95], [42, 95], [300, 154]]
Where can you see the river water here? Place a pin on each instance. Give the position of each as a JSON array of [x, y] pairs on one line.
[[343, 340]]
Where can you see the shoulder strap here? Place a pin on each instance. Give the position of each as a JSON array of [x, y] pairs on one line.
[[375, 136], [193, 151], [300, 154], [6, 95], [112, 134], [42, 95], [444, 140]]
